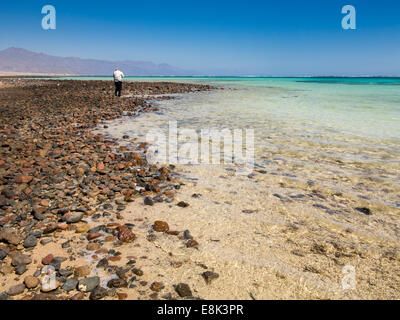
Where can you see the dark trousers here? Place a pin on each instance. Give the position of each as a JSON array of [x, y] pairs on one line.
[[118, 88]]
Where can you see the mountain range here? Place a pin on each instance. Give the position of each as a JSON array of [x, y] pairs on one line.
[[22, 61]]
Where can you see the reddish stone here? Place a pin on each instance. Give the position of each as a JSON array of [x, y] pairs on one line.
[[62, 226], [125, 234], [44, 203], [78, 296], [114, 259], [192, 243], [47, 259], [50, 228], [93, 235], [100, 166], [23, 179], [113, 224], [160, 226], [122, 296], [173, 233]]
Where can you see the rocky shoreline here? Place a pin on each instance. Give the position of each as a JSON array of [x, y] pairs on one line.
[[63, 190]]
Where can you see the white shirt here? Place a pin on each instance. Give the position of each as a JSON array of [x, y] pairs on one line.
[[118, 75]]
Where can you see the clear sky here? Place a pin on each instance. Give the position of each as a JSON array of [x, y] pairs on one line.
[[278, 38]]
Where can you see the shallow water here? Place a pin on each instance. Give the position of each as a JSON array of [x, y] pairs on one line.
[[322, 130], [323, 148]]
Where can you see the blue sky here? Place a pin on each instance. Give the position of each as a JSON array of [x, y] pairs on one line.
[[278, 38]]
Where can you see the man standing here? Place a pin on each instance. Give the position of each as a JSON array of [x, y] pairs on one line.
[[118, 75]]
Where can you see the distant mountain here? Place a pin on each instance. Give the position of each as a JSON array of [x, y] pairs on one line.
[[23, 61]]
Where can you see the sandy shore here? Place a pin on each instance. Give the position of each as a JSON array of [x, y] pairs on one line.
[[218, 235]]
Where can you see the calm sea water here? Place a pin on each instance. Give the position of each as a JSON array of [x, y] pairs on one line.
[[342, 133], [365, 107]]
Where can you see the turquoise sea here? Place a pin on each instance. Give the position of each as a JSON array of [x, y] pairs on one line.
[[368, 107], [342, 133]]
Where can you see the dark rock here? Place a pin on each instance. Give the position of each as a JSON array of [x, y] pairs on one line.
[[138, 272], [209, 276], [30, 242], [157, 286], [103, 263], [70, 284], [98, 293], [183, 290], [117, 283], [3, 254], [20, 258], [20, 269], [65, 272], [16, 290], [364, 210], [88, 284], [148, 201], [4, 296], [183, 204], [160, 226]]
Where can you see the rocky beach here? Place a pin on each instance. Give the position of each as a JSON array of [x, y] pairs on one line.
[[83, 215], [64, 189]]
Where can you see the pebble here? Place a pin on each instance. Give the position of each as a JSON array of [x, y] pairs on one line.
[[93, 235], [122, 296], [117, 283], [157, 286], [16, 290], [82, 271], [9, 235], [103, 263], [48, 286], [4, 296], [45, 241], [125, 234], [78, 296], [183, 290], [47, 259], [183, 204], [366, 211], [160, 226], [93, 246], [20, 269], [88, 284], [98, 293], [82, 228], [148, 201], [3, 254], [138, 272], [20, 258], [192, 243], [209, 276], [31, 282], [73, 217], [70, 284]]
